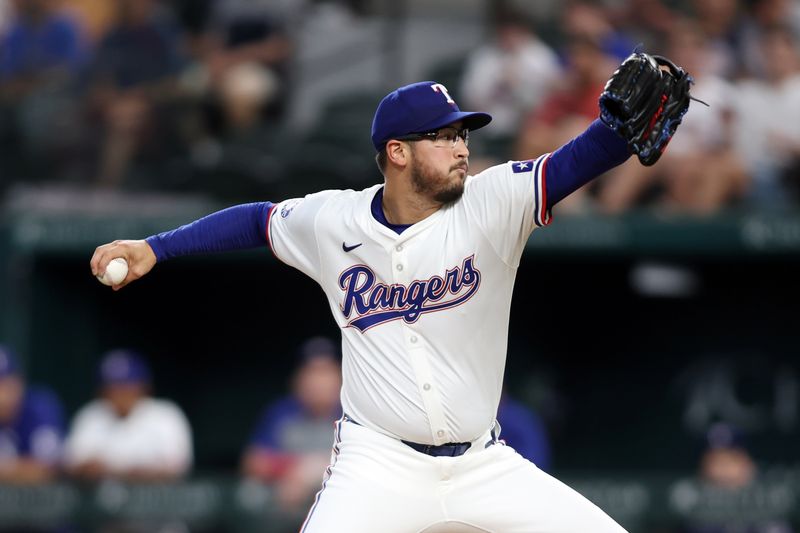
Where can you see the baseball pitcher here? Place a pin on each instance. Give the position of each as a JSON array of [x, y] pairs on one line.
[[418, 272]]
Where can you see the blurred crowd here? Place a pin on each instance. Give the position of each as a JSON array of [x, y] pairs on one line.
[[127, 434], [116, 93], [180, 95], [741, 149]]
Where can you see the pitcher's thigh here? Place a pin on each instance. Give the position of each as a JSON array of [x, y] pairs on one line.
[[354, 502], [511, 495], [367, 510]]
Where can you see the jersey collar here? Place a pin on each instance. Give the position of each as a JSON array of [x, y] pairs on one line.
[[380, 216]]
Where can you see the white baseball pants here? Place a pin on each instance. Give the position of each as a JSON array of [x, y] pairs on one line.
[[378, 484]]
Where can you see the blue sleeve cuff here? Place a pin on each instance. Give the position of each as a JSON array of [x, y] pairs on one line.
[[155, 245]]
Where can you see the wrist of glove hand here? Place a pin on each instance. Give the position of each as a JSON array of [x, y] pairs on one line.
[[644, 101]]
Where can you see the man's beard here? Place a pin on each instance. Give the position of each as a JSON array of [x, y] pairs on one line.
[[441, 191]]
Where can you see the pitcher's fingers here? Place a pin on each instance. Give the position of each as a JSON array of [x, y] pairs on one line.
[[96, 263], [102, 256]]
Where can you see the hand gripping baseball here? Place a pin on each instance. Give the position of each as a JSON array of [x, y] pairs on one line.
[[644, 102], [138, 254]]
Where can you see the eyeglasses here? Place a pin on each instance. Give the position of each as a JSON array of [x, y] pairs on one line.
[[443, 138]]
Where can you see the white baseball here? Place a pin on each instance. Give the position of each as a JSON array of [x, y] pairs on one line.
[[116, 272]]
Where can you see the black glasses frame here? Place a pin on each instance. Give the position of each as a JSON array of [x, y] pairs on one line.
[[434, 136]]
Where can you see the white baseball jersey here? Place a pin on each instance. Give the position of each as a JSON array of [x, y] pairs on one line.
[[424, 318], [424, 314], [155, 434]]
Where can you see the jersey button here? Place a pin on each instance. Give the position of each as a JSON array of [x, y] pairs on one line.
[[399, 267], [399, 247], [440, 433], [413, 339], [427, 386]]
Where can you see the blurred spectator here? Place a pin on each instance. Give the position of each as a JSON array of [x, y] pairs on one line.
[[250, 34], [643, 21], [726, 463], [231, 158], [768, 129], [237, 77], [510, 74], [132, 75], [125, 433], [700, 171], [761, 16], [727, 466], [570, 107], [719, 20], [5, 15], [95, 16], [593, 21], [40, 43], [522, 429], [31, 427], [41, 54], [291, 445]]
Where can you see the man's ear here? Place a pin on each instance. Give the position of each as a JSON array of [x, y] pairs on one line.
[[397, 153]]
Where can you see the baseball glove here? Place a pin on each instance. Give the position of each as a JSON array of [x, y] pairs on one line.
[[645, 104]]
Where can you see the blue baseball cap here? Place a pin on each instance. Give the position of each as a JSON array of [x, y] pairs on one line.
[[419, 108], [318, 347], [8, 362], [120, 367], [724, 435]]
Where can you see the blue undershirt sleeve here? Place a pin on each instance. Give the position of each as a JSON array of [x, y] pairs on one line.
[[235, 228], [590, 154]]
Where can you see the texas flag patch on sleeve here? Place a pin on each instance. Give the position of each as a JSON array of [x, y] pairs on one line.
[[538, 167], [522, 166]]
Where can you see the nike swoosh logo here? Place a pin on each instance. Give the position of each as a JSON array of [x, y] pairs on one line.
[[350, 248]]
